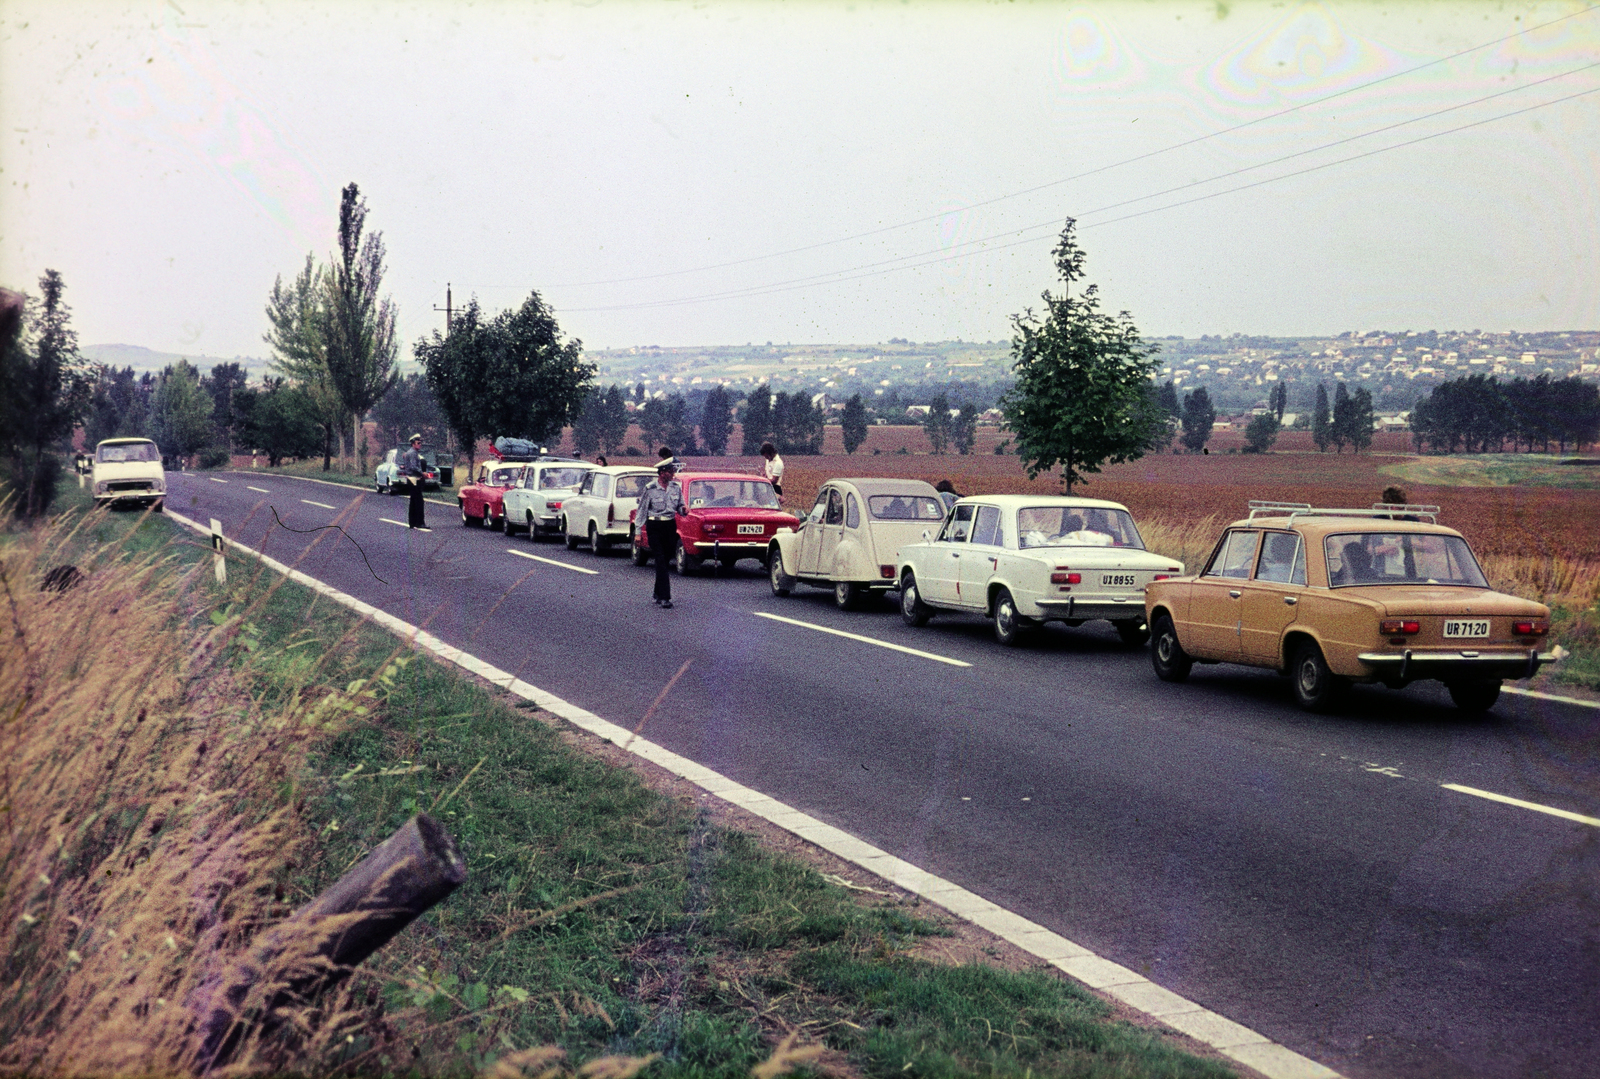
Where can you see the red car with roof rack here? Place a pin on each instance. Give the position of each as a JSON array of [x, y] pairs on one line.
[[731, 515]]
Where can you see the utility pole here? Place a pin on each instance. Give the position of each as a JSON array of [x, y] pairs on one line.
[[445, 309]]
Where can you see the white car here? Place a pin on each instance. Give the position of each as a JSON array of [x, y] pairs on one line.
[[534, 505], [600, 512], [1024, 560], [851, 540], [127, 471]]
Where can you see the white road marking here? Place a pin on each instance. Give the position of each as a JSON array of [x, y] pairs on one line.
[[864, 640], [324, 505], [1551, 697], [1535, 806], [1229, 1038], [263, 490], [214, 479], [553, 562], [402, 524]]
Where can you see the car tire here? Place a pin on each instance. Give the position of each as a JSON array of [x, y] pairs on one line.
[[782, 583], [641, 555], [1316, 688], [1474, 698], [160, 506], [1133, 631], [913, 612], [571, 540], [466, 520], [598, 544], [846, 595], [685, 563], [1010, 627], [1167, 656]]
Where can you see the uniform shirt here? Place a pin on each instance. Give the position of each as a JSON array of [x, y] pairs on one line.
[[411, 462], [774, 469], [658, 502]]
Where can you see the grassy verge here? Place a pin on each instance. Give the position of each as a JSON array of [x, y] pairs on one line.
[[600, 919]]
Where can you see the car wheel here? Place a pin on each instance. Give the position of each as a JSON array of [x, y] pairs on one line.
[[1316, 688], [1474, 697], [571, 540], [846, 595], [1010, 628], [782, 583], [161, 507], [1167, 656], [465, 519], [597, 543], [1133, 631], [641, 555], [685, 563], [912, 610]]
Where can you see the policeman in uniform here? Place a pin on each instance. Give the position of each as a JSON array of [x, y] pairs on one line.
[[659, 506], [411, 465]]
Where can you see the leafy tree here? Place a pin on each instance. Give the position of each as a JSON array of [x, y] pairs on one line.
[[716, 421], [1261, 433], [1167, 398], [1278, 400], [359, 334], [614, 421], [1339, 430], [586, 424], [226, 380], [964, 428], [1079, 398], [278, 419], [937, 423], [181, 411], [854, 423], [797, 424], [45, 389], [449, 366], [1358, 420], [409, 407], [665, 422], [1321, 420], [756, 422], [654, 422], [1198, 419], [299, 351]]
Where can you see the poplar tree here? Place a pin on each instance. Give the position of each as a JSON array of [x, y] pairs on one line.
[[855, 423], [359, 336]]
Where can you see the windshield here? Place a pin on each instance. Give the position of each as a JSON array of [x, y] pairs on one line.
[[561, 477], [905, 508], [1076, 526], [1356, 558], [720, 494], [631, 486], [128, 451]]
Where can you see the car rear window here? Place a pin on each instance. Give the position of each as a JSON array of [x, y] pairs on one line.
[[905, 508], [1400, 558], [1076, 526], [631, 486], [502, 477], [561, 477], [723, 494]]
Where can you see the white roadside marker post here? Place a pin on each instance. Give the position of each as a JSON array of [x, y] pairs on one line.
[[218, 561]]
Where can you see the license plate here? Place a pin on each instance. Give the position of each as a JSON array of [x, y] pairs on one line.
[[1117, 580], [1466, 627], [751, 530]]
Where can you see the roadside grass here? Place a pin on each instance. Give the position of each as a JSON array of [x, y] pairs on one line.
[[262, 739], [1497, 470]]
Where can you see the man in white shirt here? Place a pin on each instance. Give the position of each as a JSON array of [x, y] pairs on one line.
[[773, 469]]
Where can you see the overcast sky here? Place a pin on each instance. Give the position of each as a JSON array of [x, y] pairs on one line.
[[728, 172]]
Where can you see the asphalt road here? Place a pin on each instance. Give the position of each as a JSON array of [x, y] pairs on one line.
[[1307, 876]]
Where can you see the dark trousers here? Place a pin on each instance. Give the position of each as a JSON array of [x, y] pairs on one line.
[[415, 519], [664, 544]]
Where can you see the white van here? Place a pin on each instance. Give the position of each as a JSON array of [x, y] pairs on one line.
[[127, 471]]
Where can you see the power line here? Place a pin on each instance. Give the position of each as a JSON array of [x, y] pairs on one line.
[[949, 254], [792, 285], [1081, 175]]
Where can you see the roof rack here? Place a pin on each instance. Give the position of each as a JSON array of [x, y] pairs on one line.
[[1379, 510]]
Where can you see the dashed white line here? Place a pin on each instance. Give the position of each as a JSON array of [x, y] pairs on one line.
[[263, 490], [402, 524], [214, 479], [551, 561], [864, 640], [1565, 814], [324, 505]]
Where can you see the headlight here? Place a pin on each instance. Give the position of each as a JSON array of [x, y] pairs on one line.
[[101, 487]]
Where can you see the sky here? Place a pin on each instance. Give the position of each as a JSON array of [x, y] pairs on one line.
[[734, 171]]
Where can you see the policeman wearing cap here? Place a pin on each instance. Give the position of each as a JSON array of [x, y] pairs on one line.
[[660, 503], [411, 465]]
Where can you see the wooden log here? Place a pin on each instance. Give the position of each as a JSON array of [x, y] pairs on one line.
[[317, 946]]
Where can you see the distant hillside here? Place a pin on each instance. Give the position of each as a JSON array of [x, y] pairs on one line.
[[144, 359]]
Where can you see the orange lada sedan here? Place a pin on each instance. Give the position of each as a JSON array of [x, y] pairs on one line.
[[1332, 597]]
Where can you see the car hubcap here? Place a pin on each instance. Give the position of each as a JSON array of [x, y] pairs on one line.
[[841, 593], [1005, 616], [908, 598], [1308, 678], [1164, 648]]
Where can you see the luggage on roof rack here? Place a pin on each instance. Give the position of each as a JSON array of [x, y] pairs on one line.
[[516, 449]]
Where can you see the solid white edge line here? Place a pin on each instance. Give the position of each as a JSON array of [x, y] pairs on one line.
[[1227, 1037], [402, 524], [1550, 696], [551, 561], [864, 640], [324, 505], [263, 490], [1565, 814]]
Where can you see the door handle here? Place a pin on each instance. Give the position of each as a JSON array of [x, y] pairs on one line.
[[954, 555], [1233, 593], [1290, 600]]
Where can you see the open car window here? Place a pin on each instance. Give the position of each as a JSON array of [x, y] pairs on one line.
[[1400, 558], [1076, 526], [957, 528]]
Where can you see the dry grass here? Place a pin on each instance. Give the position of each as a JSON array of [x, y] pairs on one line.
[[149, 823]]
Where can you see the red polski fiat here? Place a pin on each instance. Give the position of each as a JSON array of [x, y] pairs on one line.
[[730, 516]]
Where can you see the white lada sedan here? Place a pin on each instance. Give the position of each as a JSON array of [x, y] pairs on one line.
[[1024, 560]]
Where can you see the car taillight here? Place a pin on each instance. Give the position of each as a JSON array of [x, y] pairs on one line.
[[1162, 577], [886, 572], [1391, 627], [710, 526], [611, 515], [1060, 576], [553, 505], [1530, 629]]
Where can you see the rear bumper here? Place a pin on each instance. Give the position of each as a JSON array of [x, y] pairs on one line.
[[751, 548], [1070, 607], [1410, 666]]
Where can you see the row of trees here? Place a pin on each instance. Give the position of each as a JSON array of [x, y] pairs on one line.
[[45, 386], [1479, 414], [1347, 423]]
